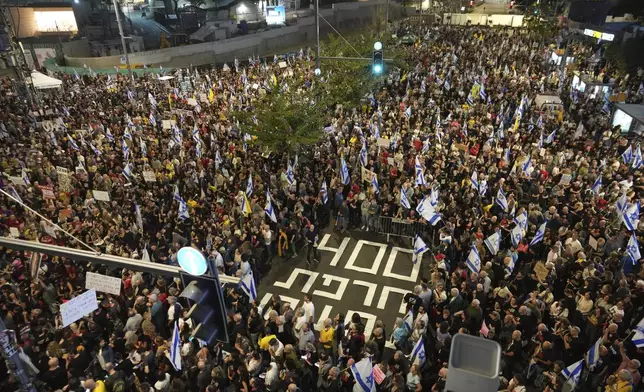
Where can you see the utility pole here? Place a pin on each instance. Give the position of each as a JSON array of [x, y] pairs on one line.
[[317, 34], [16, 56], [127, 58], [386, 20]]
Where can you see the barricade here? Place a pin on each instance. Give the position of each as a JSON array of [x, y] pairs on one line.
[[399, 227]]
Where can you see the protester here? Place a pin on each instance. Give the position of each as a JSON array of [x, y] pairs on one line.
[[535, 213]]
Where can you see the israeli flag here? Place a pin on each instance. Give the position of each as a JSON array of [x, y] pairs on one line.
[[325, 193], [638, 337], [418, 356], [493, 242], [176, 195], [130, 95], [527, 166], [622, 204], [125, 149], [530, 126], [500, 133], [94, 149], [506, 156], [465, 128], [139, 217], [425, 146], [470, 99], [376, 131], [572, 373], [270, 212], [408, 112], [153, 120], [408, 320], [195, 135], [510, 267], [631, 217], [540, 144], [290, 177], [540, 122], [420, 176], [374, 184], [127, 133], [637, 158], [538, 236], [474, 260], [109, 136], [627, 155], [474, 178], [363, 374], [177, 136], [551, 137], [249, 186], [25, 177], [517, 236], [633, 249], [247, 284], [363, 154], [53, 139], [183, 210], [198, 149], [218, 160], [482, 92], [127, 172], [153, 101], [14, 193], [522, 220], [144, 147], [593, 354], [597, 185], [501, 200], [419, 248], [433, 197], [403, 199], [73, 143], [174, 351], [344, 173], [483, 187]]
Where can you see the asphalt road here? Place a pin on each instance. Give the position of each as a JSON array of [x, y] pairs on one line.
[[358, 272]]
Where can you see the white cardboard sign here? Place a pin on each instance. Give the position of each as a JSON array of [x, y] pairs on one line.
[[149, 176], [103, 283], [101, 195], [77, 307]]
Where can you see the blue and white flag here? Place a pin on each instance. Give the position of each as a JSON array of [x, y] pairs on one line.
[[418, 356], [130, 95], [482, 92], [517, 236], [597, 185], [218, 160], [474, 178], [247, 284], [501, 200], [637, 158], [500, 132], [152, 119], [127, 172], [127, 134], [483, 187], [174, 351], [153, 101], [363, 374], [540, 144], [344, 172], [420, 176], [627, 155], [631, 217], [25, 177], [403, 199], [195, 135], [433, 197], [638, 337], [374, 184], [270, 212], [12, 191], [593, 354], [408, 112], [419, 248], [470, 99], [493, 242], [474, 260], [408, 320], [290, 177], [510, 267], [506, 156], [73, 143], [363, 154], [522, 220], [183, 210], [538, 236], [125, 149], [540, 122], [527, 165], [551, 137], [622, 204], [573, 372], [108, 135], [177, 135], [633, 249], [139, 217], [144, 147], [426, 145], [464, 129], [325, 193], [249, 186], [95, 150]]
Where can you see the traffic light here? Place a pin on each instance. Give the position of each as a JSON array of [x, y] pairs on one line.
[[208, 310], [378, 63]]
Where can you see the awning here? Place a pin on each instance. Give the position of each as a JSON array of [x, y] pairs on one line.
[[42, 81]]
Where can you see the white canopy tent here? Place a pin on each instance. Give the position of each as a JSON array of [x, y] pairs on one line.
[[42, 81]]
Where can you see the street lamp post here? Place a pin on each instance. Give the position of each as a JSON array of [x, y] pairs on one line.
[[317, 34], [127, 58]]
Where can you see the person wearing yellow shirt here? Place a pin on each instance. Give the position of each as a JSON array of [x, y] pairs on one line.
[[264, 342], [326, 336], [94, 385]]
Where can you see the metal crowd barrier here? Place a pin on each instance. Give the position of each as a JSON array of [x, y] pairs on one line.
[[399, 227]]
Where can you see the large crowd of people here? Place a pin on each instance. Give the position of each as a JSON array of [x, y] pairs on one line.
[[536, 247]]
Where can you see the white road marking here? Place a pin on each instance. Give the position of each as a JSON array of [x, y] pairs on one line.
[[267, 297], [368, 325], [384, 295], [323, 316], [371, 291], [392, 260], [376, 263], [338, 251], [291, 279], [328, 278]]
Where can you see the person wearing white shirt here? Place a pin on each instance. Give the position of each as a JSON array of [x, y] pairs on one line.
[[309, 309]]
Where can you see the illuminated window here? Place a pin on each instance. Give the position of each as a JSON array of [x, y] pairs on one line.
[[55, 21]]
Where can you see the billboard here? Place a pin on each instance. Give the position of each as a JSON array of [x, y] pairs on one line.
[[55, 21], [275, 15]]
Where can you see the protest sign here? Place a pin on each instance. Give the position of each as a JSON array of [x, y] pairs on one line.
[[77, 307], [103, 283], [101, 195]]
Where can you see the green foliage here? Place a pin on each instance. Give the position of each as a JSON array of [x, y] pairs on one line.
[[627, 56], [284, 120], [538, 23]]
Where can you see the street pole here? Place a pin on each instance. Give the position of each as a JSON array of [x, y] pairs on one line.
[[127, 58], [10, 351], [317, 34], [386, 21]]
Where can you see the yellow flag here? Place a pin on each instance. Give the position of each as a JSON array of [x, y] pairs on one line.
[[516, 123], [274, 79], [246, 210], [211, 95], [170, 100]]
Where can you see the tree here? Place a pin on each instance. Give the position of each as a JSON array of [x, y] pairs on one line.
[[284, 121], [538, 23]]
